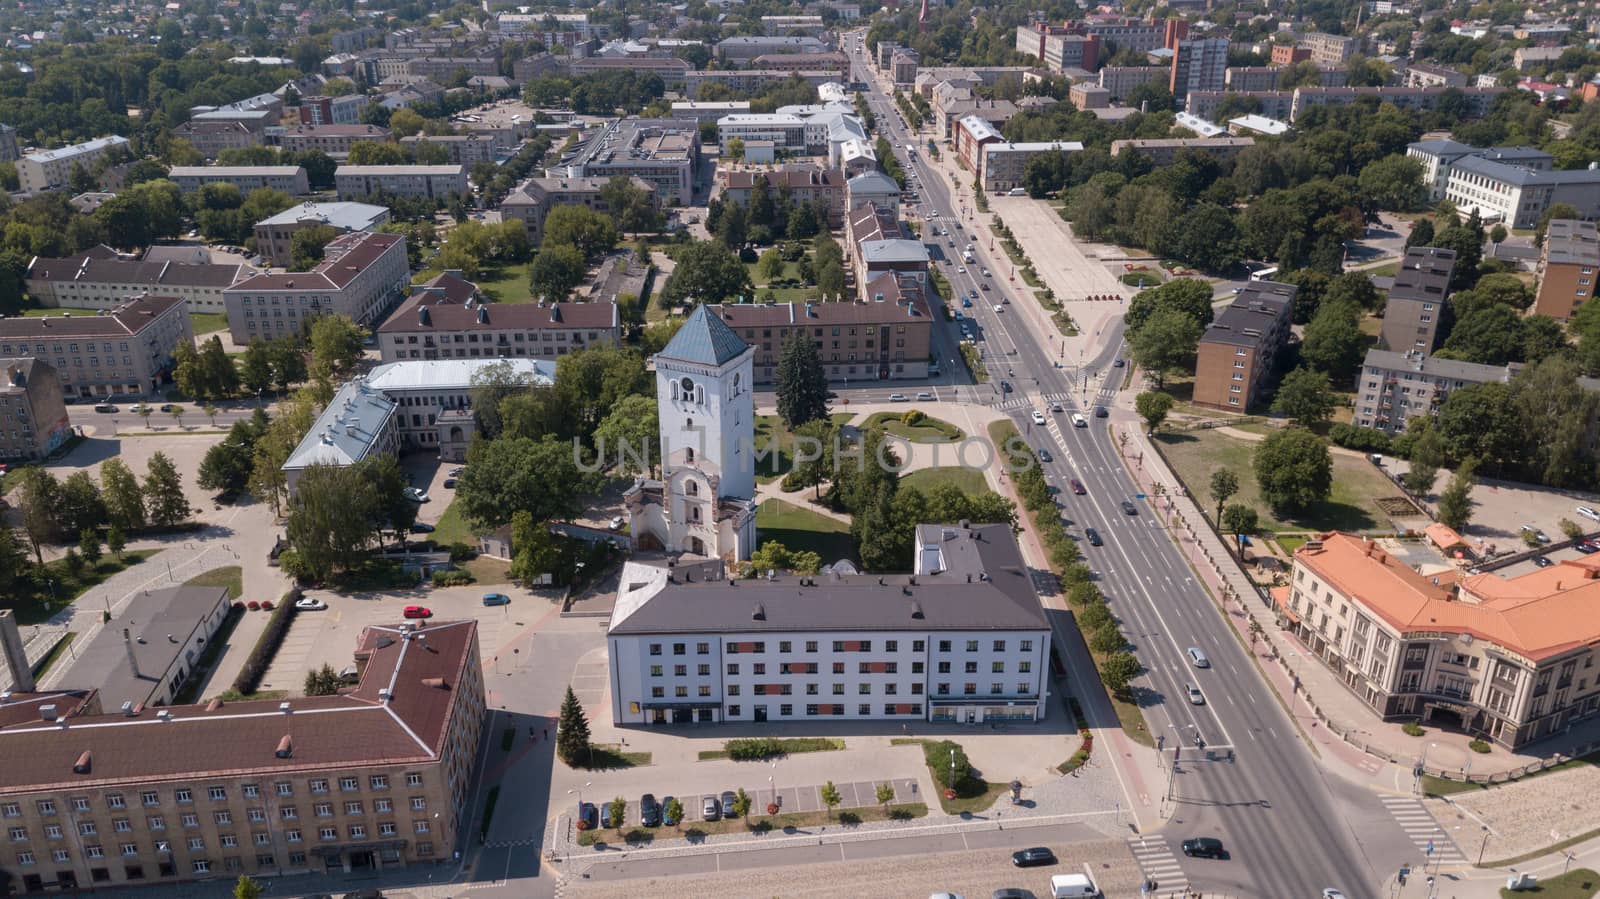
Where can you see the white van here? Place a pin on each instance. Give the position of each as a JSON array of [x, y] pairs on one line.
[[1078, 421], [1073, 886]]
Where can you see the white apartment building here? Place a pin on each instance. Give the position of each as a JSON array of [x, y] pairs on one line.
[[49, 169], [1005, 163], [961, 639], [125, 351], [1397, 387], [360, 276], [99, 279], [1518, 196], [435, 182], [291, 179]]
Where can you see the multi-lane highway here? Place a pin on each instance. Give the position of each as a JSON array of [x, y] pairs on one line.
[[1290, 830]]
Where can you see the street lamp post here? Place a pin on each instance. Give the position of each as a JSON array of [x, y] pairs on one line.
[[1485, 844]]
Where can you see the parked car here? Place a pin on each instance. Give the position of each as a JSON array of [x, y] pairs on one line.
[[899, 398], [1542, 561], [1204, 847], [418, 612], [615, 523], [496, 599], [669, 815], [422, 527], [728, 811], [310, 605], [456, 472], [588, 816], [1128, 508], [449, 483], [1078, 488], [1589, 513], [649, 811], [710, 809], [1587, 547], [1537, 534], [1034, 857], [104, 407], [1093, 536], [608, 819], [417, 496]]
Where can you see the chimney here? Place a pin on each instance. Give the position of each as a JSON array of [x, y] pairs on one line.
[[133, 658], [16, 656], [285, 747], [84, 763]]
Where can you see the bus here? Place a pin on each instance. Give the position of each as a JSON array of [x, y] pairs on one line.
[[1264, 274]]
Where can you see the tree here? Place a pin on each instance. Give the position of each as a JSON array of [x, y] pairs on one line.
[[1468, 244], [802, 384], [771, 265], [89, 545], [774, 556], [163, 492], [572, 731], [1239, 520], [735, 148], [225, 467], [246, 888], [1426, 456], [618, 807], [186, 373], [82, 507], [336, 344], [1165, 343], [534, 548], [1305, 396], [322, 682], [706, 272], [1393, 183], [1107, 639], [556, 270], [1488, 335], [177, 413], [1153, 408], [39, 501], [330, 518], [211, 410], [116, 541], [673, 811], [124, 500], [1190, 296], [885, 794], [1118, 670], [630, 435], [1354, 288], [631, 205], [741, 803], [512, 473], [1455, 501], [592, 233], [1421, 234], [307, 244], [1224, 484], [288, 362], [256, 366], [830, 797], [1554, 211], [1293, 469], [1333, 343]]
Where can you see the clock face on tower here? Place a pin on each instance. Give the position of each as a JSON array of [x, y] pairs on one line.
[[687, 386]]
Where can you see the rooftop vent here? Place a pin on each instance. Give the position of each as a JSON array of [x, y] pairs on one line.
[[285, 747], [916, 609], [759, 613], [285, 708], [164, 715], [436, 683], [47, 712], [213, 705], [385, 694], [84, 763]]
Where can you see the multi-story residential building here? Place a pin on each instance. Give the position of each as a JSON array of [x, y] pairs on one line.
[[1330, 49], [1518, 196], [812, 25], [1239, 347], [1569, 265], [751, 81], [50, 169], [1271, 104], [1004, 163], [873, 187], [1437, 157], [803, 185], [33, 416], [275, 234], [1252, 78], [1416, 303], [1423, 74], [874, 246], [1163, 151], [465, 150], [663, 152], [1136, 35], [1289, 54], [1397, 387], [1476, 99], [1506, 659], [127, 350], [903, 65], [291, 179], [971, 134], [379, 776], [211, 138], [674, 72], [703, 111], [741, 49], [1120, 81], [445, 68], [802, 62], [257, 112], [1199, 65], [99, 279], [952, 104], [961, 639], [342, 110], [1059, 46], [403, 406], [884, 337], [360, 275], [1525, 58], [332, 139], [1087, 95], [434, 182], [447, 318], [531, 202]]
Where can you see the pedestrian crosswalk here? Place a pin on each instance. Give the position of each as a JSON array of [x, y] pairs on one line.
[[1423, 831], [1157, 863], [1036, 401]]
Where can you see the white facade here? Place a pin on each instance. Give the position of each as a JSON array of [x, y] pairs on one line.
[[436, 182], [49, 169]]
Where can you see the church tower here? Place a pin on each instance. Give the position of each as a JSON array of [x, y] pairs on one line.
[[704, 502]]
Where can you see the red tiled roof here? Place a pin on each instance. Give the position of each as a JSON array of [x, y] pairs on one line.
[[452, 312], [345, 257], [126, 320]]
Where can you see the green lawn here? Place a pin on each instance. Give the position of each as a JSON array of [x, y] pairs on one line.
[[1382, 271], [770, 467], [801, 529], [208, 322], [508, 284], [39, 606], [928, 430], [791, 270], [231, 576], [1580, 884], [452, 527], [966, 480], [1350, 507]]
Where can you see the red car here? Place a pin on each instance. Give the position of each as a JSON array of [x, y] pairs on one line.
[[418, 612], [1077, 487]]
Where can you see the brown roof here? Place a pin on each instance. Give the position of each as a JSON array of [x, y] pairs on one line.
[[24, 708], [758, 315], [125, 320], [345, 257], [98, 269], [451, 307], [791, 178], [420, 670], [339, 130]]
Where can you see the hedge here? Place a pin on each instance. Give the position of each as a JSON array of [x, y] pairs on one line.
[[255, 667]]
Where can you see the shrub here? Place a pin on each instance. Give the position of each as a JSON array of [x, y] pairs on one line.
[[1077, 761], [792, 482], [291, 564], [912, 418], [1363, 440], [255, 666], [266, 605], [461, 552], [454, 577], [1478, 746], [253, 606], [753, 749], [238, 605], [1413, 729], [940, 763]]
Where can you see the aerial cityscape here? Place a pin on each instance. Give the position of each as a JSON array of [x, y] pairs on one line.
[[944, 449]]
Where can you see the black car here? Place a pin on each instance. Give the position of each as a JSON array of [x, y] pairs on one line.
[[449, 483], [1586, 547], [1011, 893], [1044, 456], [1100, 412], [1030, 858], [649, 811], [422, 527], [1005, 386], [1093, 536], [1542, 561], [1128, 508], [1204, 847]]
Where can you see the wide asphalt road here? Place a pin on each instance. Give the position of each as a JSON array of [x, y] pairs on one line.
[[1290, 831]]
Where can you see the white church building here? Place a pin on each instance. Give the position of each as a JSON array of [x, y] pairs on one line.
[[704, 504]]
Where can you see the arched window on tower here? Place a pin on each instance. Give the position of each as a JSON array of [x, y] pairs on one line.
[[688, 454], [692, 487], [699, 395], [694, 513]]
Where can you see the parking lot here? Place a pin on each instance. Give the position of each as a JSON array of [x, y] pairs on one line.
[[329, 637]]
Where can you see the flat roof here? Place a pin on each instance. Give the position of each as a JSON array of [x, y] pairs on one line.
[[159, 624], [347, 429], [1434, 366], [348, 216], [453, 374], [429, 170], [88, 146]]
